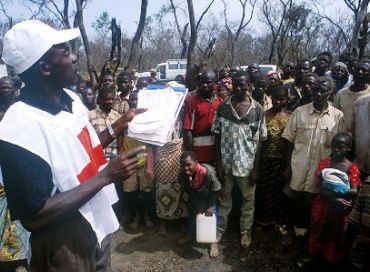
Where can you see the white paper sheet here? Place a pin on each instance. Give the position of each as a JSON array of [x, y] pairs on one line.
[[155, 125]]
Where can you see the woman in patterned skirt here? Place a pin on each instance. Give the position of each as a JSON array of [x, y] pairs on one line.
[[269, 195], [13, 239]]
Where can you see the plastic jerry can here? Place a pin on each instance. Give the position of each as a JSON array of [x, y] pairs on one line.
[[206, 228]]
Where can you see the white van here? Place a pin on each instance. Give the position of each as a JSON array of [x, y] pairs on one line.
[[170, 69]]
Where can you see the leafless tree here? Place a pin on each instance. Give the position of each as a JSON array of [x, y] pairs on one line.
[[116, 49], [181, 30], [359, 36], [233, 35], [3, 10], [135, 46], [50, 7], [80, 21], [194, 26], [288, 23], [274, 18]]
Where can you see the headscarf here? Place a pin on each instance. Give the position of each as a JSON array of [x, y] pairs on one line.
[[341, 64], [273, 72]]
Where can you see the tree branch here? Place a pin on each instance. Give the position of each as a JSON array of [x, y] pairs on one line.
[[204, 13]]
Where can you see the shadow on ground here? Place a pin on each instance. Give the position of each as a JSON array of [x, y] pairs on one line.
[[145, 250]]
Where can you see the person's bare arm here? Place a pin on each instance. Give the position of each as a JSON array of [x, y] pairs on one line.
[[188, 139], [220, 167], [60, 205], [256, 166], [288, 147], [93, 71], [118, 127]]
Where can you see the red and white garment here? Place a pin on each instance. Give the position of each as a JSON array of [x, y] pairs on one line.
[[71, 147]]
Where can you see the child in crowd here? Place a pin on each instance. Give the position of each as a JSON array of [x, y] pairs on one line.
[[201, 183], [338, 179], [259, 92], [225, 83], [139, 185]]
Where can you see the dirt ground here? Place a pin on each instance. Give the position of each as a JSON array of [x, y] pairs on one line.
[[145, 250]]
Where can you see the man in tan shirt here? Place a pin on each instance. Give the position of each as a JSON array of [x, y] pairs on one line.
[[361, 133], [346, 98], [308, 136]]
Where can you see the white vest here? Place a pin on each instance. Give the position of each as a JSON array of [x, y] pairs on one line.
[[71, 147]]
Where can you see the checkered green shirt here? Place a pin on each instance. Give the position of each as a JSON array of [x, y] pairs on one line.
[[240, 136]]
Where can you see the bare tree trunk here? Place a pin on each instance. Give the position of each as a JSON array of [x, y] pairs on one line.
[[184, 42], [81, 26], [359, 19], [272, 50], [135, 46], [182, 33], [232, 53], [190, 82], [363, 37], [65, 14], [233, 37]]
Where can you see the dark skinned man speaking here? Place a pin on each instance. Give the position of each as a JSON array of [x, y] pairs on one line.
[[56, 178]]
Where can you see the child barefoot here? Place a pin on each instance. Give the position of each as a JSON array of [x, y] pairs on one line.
[[202, 185], [338, 179]]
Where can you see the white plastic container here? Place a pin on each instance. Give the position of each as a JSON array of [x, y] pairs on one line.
[[206, 228]]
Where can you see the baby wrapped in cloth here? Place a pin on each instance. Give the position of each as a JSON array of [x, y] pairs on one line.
[[335, 181]]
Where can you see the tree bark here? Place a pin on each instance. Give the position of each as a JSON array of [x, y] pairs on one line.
[[359, 19], [182, 34], [135, 46], [272, 50], [363, 37], [190, 82], [81, 26], [184, 42], [233, 37]]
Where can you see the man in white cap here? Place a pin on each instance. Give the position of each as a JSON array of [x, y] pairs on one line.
[[52, 161]]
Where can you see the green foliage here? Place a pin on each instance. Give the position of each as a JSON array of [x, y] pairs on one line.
[[102, 23]]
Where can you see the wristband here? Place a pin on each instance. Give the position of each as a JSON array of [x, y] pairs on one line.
[[111, 131]]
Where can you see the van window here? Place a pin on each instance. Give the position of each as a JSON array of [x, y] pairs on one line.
[[162, 72], [173, 66], [265, 70], [183, 66]]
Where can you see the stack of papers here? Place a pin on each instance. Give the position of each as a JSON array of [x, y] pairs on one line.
[[155, 126]]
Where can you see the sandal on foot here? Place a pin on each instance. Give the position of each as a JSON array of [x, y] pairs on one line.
[[213, 251], [287, 239], [305, 262]]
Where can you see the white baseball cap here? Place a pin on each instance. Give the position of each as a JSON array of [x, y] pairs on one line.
[[26, 42]]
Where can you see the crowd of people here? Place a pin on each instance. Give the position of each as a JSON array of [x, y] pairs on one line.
[[295, 141]]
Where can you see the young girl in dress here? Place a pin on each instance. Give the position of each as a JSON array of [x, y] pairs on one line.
[[338, 180]]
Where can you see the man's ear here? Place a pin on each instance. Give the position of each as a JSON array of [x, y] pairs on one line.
[[45, 68]]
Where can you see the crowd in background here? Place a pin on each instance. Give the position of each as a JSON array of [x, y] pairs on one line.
[[296, 141]]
